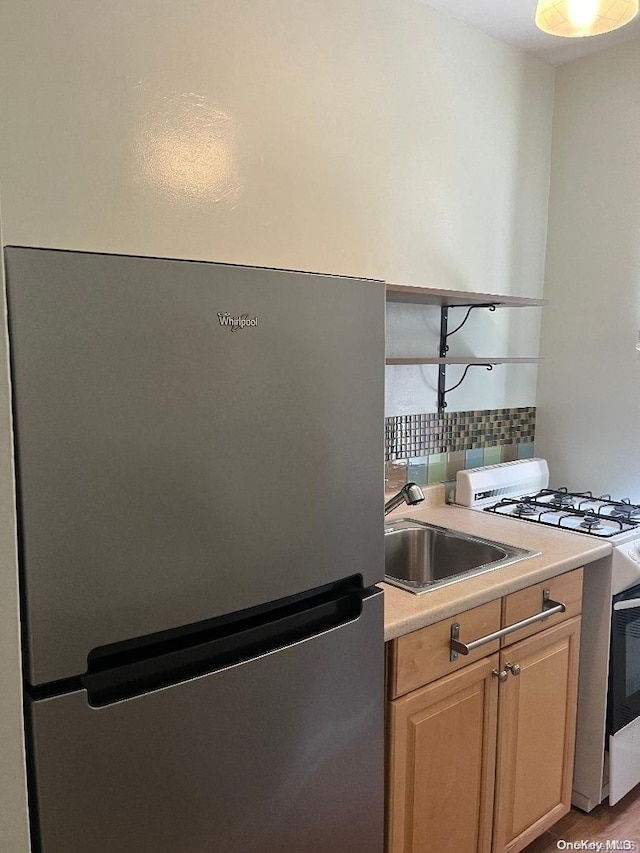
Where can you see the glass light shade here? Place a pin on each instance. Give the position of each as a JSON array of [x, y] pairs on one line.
[[579, 18]]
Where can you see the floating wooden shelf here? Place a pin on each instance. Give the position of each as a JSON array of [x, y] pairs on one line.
[[454, 359], [456, 298]]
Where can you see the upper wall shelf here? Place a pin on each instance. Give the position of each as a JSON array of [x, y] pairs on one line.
[[454, 359], [456, 298], [446, 299]]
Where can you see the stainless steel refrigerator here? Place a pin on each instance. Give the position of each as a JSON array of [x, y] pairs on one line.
[[199, 474]]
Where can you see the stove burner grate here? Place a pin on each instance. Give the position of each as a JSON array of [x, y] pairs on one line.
[[591, 522], [539, 510]]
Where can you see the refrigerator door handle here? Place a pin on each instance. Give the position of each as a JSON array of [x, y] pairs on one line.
[[217, 648]]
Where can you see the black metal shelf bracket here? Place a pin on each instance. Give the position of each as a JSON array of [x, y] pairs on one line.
[[442, 404], [444, 349]]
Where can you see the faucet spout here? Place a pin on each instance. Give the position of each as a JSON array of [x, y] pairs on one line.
[[410, 493]]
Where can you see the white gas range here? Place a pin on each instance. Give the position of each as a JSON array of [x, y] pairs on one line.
[[608, 730]]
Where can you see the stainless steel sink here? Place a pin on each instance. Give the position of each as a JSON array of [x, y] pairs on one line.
[[420, 556]]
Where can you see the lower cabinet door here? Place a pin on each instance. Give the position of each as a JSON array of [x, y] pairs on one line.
[[536, 735], [441, 763]]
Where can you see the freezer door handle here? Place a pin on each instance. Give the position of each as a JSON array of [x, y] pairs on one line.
[[218, 647]]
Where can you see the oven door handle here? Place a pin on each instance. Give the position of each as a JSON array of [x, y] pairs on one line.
[[629, 604]]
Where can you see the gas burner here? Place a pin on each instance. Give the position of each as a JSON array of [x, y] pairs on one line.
[[591, 522], [628, 512], [561, 499], [526, 507], [622, 514]]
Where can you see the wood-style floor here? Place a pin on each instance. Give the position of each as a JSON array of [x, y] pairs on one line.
[[605, 823]]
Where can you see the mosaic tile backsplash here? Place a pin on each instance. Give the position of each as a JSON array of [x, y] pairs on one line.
[[428, 449], [408, 436]]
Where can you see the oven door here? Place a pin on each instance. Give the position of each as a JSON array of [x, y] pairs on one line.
[[624, 694], [624, 681]]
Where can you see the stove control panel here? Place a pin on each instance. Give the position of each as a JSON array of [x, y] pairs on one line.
[[481, 487]]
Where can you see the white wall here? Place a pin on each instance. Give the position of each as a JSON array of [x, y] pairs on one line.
[[369, 137], [589, 384], [363, 137]]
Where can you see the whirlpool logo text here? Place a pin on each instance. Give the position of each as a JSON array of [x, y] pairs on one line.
[[235, 323]]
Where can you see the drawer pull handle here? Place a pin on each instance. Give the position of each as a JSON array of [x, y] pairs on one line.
[[549, 608]]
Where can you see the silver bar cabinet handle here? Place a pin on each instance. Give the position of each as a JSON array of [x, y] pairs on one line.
[[549, 607]]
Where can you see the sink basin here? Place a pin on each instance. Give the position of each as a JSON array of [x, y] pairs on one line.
[[420, 556]]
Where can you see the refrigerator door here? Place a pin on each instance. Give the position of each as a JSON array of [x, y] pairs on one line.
[[279, 754], [173, 467]]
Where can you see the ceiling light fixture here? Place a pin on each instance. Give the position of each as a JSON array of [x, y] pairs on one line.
[[579, 18]]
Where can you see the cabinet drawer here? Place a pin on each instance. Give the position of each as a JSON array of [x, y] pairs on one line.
[[424, 655], [566, 589]]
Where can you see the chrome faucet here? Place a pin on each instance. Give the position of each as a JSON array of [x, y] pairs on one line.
[[410, 493]]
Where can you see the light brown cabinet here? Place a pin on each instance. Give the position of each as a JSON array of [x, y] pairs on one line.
[[480, 760], [442, 763], [536, 736]]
